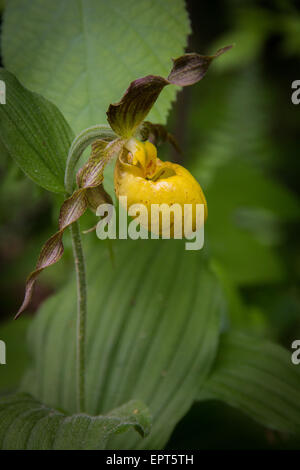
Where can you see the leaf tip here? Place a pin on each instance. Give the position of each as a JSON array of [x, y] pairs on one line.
[[224, 49]]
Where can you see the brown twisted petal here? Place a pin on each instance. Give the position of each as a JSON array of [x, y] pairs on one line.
[[53, 249], [89, 178], [125, 116]]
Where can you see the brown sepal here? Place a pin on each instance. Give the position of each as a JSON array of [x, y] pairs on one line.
[[125, 116]]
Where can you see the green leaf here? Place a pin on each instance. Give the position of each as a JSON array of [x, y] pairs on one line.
[[17, 357], [247, 207], [252, 27], [259, 378], [27, 424], [153, 327], [35, 134], [241, 317], [83, 55], [245, 211]]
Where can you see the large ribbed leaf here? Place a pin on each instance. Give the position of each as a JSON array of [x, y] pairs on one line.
[[35, 134], [82, 55], [25, 423], [153, 326], [259, 378]]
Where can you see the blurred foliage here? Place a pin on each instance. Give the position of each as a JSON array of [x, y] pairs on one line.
[[17, 354], [257, 377], [241, 141], [239, 132]]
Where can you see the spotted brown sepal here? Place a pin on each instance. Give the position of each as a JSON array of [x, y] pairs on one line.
[[125, 116]]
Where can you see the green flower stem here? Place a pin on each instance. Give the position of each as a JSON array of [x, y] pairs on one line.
[[81, 315], [80, 143]]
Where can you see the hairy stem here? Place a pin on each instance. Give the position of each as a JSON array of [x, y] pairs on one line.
[[81, 315], [80, 143]]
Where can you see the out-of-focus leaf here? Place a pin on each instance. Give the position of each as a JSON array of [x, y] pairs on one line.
[[153, 327], [238, 187], [17, 357], [253, 25], [282, 309], [240, 315], [96, 48], [246, 208], [245, 257], [289, 26], [27, 424], [231, 134], [35, 134], [259, 378]]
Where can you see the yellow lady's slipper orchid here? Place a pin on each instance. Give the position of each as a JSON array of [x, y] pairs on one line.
[[139, 175], [144, 179]]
